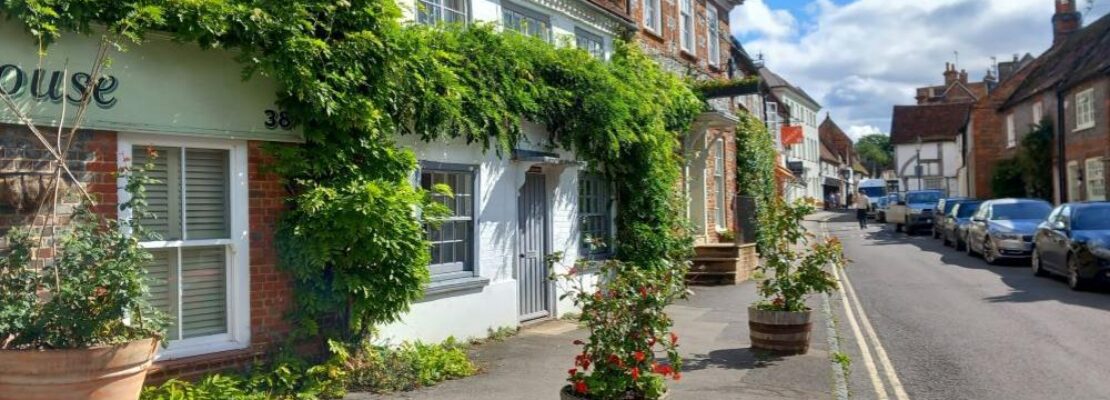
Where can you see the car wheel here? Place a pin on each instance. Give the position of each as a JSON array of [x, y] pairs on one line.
[[944, 240], [989, 252], [881, 217], [906, 227], [1035, 263], [1075, 282], [898, 227], [935, 235], [959, 243]]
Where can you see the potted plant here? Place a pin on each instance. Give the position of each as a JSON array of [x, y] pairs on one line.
[[791, 271], [77, 326], [622, 307]]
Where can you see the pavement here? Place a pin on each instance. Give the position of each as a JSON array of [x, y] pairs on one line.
[[713, 331], [950, 326]]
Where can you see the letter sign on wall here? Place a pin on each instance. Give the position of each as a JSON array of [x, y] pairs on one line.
[[159, 87]]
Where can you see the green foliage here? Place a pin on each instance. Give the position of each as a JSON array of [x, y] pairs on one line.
[[1029, 172], [93, 291], [876, 152], [791, 271], [354, 78], [285, 378], [626, 318], [409, 366], [1006, 180], [755, 167]]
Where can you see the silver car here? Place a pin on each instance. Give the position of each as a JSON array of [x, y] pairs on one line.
[[1003, 229]]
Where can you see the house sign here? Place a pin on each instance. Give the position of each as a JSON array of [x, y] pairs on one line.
[[157, 87]]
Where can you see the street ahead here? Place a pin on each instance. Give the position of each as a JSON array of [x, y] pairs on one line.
[[953, 327]]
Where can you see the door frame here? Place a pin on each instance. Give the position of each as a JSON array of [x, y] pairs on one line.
[[549, 287]]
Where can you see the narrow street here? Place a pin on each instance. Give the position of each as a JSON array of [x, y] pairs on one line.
[[953, 327]]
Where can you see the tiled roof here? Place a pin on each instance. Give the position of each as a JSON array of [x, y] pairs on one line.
[[838, 141], [1082, 56], [775, 81], [827, 155], [931, 122]]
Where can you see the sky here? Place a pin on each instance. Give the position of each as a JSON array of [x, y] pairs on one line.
[[859, 58]]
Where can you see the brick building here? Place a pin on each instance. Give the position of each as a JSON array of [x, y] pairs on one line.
[[956, 88], [1068, 86], [929, 146], [214, 271]]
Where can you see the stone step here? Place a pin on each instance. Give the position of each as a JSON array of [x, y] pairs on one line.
[[717, 251], [711, 278]]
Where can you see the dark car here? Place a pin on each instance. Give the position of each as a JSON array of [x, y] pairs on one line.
[[1075, 242], [956, 221], [1003, 229], [944, 206]]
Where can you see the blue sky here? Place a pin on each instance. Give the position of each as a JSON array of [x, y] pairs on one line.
[[861, 57]]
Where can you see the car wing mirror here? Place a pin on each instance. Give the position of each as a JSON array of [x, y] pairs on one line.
[[1059, 226]]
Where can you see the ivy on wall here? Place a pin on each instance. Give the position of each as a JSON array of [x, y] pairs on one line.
[[755, 167], [354, 77]]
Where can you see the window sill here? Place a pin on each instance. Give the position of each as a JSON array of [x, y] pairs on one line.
[[688, 55], [1083, 128], [455, 285], [651, 33]]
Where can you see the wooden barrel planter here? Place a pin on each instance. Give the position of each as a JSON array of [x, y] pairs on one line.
[[98, 373], [567, 393], [780, 331]]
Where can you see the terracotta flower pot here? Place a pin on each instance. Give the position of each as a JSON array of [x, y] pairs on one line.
[[101, 373], [567, 393], [780, 331]]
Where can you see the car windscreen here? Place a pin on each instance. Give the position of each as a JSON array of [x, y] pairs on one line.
[[948, 205], [1021, 210], [923, 197], [1091, 218], [967, 209], [873, 192]]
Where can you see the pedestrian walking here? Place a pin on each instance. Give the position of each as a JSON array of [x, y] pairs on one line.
[[861, 204]]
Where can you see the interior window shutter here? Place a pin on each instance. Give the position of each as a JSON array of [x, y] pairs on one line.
[[161, 278], [206, 194], [163, 196], [203, 291]]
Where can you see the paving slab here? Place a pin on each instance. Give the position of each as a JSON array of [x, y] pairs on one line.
[[713, 329]]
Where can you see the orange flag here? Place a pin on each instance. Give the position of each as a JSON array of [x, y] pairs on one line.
[[792, 135]]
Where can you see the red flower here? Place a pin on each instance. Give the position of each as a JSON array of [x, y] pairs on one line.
[[643, 292], [572, 371], [664, 369], [651, 341], [674, 338], [635, 374], [677, 376], [639, 356], [613, 359], [580, 387]]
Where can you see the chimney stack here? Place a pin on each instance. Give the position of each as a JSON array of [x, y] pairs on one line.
[[950, 74], [963, 76], [1066, 20]]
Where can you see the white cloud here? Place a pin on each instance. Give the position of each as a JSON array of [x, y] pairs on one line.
[[861, 58], [760, 19], [857, 131]]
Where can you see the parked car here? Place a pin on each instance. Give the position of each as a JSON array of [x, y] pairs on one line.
[[1003, 228], [883, 205], [943, 207], [914, 210], [1074, 241], [956, 222]]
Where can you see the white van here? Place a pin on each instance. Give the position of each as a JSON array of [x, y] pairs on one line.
[[875, 189]]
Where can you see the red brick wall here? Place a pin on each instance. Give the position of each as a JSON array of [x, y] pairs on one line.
[[1093, 142], [667, 43]]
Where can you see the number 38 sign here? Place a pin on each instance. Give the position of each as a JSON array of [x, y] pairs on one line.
[[278, 119]]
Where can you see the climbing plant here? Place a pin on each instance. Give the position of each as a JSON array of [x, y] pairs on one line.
[[354, 78], [1029, 172], [755, 166]]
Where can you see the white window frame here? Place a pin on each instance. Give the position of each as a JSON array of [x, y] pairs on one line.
[[686, 25], [719, 172], [1038, 112], [1011, 134], [1099, 179], [548, 33], [475, 171], [238, 244], [713, 25], [1085, 109], [443, 10], [1073, 181], [653, 16], [583, 35], [608, 214]]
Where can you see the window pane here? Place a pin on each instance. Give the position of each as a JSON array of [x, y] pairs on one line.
[[594, 215], [163, 196], [203, 291], [206, 194], [451, 243], [161, 278]]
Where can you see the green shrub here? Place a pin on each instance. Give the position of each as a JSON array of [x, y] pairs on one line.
[[408, 366]]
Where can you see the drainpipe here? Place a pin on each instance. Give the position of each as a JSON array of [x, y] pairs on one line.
[[1061, 150]]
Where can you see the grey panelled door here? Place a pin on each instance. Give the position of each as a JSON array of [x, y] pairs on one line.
[[532, 239]]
